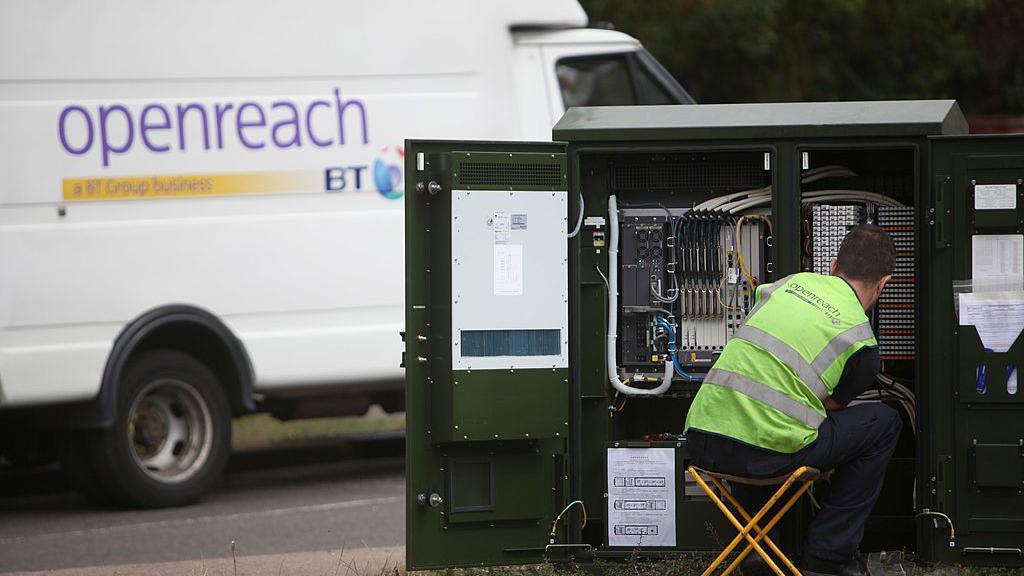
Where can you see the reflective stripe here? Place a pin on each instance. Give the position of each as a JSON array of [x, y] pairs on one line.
[[767, 292], [839, 344], [765, 394], [787, 354]]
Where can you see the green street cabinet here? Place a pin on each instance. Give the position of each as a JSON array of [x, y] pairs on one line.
[[564, 299]]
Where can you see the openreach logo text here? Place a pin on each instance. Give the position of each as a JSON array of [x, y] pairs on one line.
[[117, 134], [115, 129]]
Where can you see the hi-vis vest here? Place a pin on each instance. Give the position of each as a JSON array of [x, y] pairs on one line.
[[767, 388]]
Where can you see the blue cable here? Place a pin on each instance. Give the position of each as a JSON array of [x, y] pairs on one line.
[[672, 351]]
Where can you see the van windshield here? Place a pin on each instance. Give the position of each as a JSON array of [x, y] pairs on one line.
[[621, 79]]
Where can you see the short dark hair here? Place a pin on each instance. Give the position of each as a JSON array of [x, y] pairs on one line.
[[866, 254]]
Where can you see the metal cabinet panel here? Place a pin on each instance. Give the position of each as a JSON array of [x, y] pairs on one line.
[[485, 444], [973, 420]]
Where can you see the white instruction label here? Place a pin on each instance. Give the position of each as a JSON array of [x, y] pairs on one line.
[[508, 269], [995, 197], [733, 276], [502, 224], [998, 259], [641, 497]]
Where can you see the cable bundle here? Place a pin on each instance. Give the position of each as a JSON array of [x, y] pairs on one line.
[[759, 197], [890, 389]]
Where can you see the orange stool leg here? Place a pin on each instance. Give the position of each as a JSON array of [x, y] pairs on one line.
[[744, 530], [763, 533], [753, 523]]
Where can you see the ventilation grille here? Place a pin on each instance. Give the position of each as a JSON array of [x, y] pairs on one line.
[[493, 343], [510, 174], [701, 173]]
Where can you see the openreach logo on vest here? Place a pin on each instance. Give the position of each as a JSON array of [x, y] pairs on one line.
[[807, 295], [296, 145]]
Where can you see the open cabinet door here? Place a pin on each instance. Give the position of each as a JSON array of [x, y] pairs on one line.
[[487, 361], [972, 461]]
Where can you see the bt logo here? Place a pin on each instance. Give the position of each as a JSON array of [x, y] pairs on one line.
[[387, 175], [387, 172]]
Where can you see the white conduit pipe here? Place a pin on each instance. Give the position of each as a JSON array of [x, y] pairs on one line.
[[748, 203], [826, 172], [816, 195], [848, 198], [812, 197], [716, 202], [809, 176], [613, 313]]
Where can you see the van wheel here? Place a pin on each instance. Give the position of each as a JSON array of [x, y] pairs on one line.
[[173, 433]]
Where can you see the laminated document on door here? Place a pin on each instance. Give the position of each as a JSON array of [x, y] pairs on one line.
[[641, 497], [997, 316], [508, 269], [998, 259]]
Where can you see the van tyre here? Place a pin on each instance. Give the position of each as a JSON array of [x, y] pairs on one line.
[[172, 436]]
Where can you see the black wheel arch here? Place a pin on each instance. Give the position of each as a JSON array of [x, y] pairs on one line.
[[209, 339]]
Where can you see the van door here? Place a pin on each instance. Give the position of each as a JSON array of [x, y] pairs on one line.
[[486, 357], [972, 464]]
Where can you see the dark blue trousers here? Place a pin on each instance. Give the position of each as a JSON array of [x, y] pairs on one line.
[[856, 442]]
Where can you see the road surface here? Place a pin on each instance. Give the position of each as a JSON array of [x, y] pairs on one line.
[[303, 516]]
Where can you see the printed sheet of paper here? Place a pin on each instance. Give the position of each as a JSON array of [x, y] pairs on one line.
[[995, 197], [641, 497], [998, 259], [502, 223], [998, 317], [508, 269]]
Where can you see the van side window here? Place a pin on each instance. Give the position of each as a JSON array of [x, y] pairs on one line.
[[595, 81], [617, 80], [649, 89]]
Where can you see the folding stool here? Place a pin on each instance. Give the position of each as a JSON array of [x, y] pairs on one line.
[[803, 477]]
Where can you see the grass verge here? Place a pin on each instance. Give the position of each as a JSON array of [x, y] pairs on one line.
[[684, 565], [263, 431]]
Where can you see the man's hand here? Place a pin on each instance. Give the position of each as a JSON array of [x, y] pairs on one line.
[[831, 404]]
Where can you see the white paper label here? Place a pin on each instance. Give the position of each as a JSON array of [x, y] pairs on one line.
[[502, 223], [641, 497], [997, 259], [597, 221], [508, 269], [998, 317], [995, 197], [733, 276]]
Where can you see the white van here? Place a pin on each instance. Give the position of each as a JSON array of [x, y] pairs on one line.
[[199, 211]]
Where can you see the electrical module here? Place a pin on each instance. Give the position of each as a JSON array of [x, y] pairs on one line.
[[686, 266], [565, 301]]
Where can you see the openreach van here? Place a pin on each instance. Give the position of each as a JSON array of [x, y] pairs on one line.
[[200, 214]]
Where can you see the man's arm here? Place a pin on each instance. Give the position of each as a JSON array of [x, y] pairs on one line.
[[831, 404], [858, 375]]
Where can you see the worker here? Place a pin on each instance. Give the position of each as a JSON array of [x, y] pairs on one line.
[[778, 398]]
